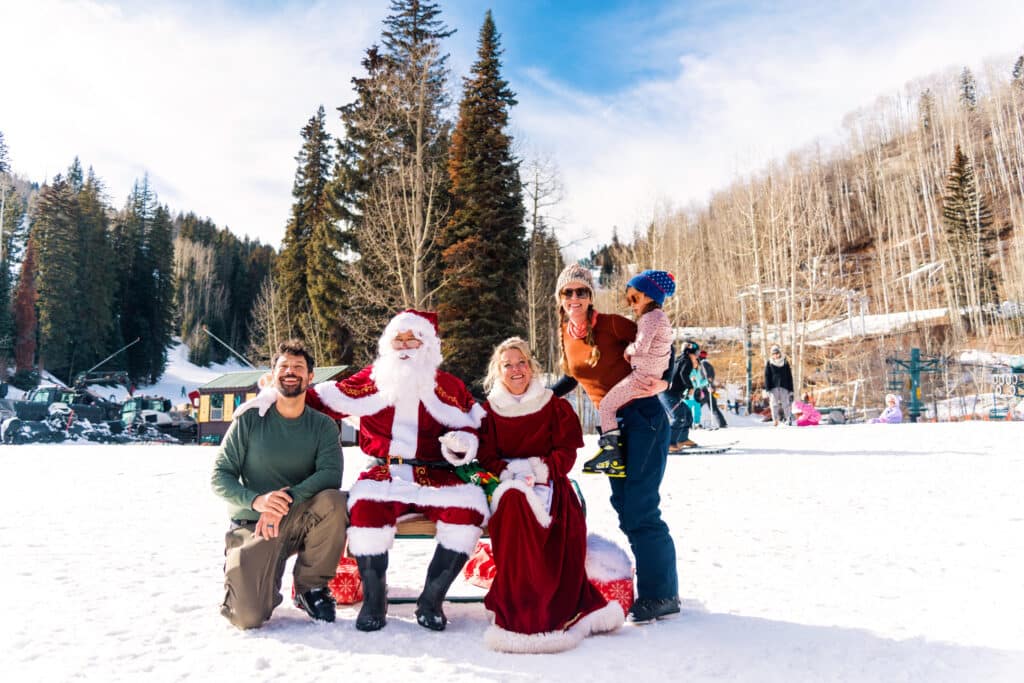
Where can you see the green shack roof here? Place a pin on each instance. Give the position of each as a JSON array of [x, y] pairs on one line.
[[246, 379]]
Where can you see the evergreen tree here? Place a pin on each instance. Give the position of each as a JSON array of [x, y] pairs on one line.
[[25, 321], [968, 89], [144, 295], [1018, 72], [312, 207], [969, 235], [55, 235], [485, 252], [390, 182], [95, 284]]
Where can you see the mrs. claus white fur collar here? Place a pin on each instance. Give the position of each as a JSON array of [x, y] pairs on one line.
[[507, 405]]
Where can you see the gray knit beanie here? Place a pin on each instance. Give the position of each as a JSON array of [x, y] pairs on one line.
[[574, 272]]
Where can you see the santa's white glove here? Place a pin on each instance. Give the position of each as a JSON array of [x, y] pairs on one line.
[[540, 470], [458, 448], [520, 470], [262, 402]]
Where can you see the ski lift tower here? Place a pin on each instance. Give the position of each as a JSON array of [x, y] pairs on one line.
[[912, 367]]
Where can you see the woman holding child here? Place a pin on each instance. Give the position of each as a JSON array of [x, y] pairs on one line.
[[594, 347], [541, 597]]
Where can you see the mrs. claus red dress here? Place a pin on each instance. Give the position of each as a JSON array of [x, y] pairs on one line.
[[541, 597]]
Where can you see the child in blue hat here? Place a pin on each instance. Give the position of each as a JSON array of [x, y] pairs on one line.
[[648, 355]]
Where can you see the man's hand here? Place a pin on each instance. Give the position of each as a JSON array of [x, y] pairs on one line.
[[275, 502], [268, 525], [652, 386]]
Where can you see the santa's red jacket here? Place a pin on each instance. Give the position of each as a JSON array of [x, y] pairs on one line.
[[407, 426]]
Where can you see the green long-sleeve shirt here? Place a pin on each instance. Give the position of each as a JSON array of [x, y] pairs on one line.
[[261, 454]]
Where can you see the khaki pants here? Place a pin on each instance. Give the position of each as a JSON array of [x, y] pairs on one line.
[[253, 566]]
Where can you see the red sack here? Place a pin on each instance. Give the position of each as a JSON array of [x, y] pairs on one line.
[[346, 586], [619, 590], [480, 568]]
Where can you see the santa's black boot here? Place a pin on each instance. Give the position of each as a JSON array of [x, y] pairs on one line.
[[442, 571], [373, 571]]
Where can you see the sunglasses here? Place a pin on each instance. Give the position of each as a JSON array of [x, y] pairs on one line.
[[579, 293], [632, 299]]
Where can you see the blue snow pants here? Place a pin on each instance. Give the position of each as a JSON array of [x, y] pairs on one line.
[[635, 498]]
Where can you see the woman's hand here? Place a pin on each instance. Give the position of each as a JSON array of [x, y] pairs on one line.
[[653, 386]]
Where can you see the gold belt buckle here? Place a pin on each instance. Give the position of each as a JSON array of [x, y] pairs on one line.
[[395, 460]]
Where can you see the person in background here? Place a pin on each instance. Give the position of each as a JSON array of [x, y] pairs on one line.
[[778, 385], [280, 474], [711, 400], [893, 413], [804, 412], [648, 355], [592, 355], [674, 401], [541, 597]]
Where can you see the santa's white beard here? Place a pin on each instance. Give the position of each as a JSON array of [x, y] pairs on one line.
[[401, 371]]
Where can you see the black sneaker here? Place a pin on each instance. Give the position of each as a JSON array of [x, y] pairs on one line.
[[646, 610], [317, 603]]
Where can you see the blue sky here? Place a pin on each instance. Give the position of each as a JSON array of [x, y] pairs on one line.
[[643, 106]]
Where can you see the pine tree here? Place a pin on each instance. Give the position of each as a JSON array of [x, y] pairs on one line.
[[144, 295], [55, 234], [95, 283], [1018, 72], [969, 236], [968, 89], [485, 252], [25, 321], [390, 182], [312, 207]]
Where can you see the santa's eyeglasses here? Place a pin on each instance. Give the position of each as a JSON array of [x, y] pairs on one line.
[[398, 343]]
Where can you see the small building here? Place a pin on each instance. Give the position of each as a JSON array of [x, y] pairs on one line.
[[218, 398]]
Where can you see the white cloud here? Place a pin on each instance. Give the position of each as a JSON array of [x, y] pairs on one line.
[[210, 102], [746, 90]]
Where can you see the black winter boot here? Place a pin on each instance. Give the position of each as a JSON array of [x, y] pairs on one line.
[[373, 571], [440, 574], [609, 460]]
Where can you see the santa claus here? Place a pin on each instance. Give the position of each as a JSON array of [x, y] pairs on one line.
[[418, 423]]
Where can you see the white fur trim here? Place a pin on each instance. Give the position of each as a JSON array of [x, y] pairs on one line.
[[505, 404], [500, 640], [605, 620], [402, 489], [540, 469], [332, 397], [461, 538], [452, 417], [518, 468], [606, 561], [369, 540], [542, 515]]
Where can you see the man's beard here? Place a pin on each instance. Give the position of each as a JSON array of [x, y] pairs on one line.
[[291, 391], [394, 374]]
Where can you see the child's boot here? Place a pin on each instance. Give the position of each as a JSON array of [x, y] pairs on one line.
[[609, 460]]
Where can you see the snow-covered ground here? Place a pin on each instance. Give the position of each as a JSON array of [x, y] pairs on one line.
[[840, 553]]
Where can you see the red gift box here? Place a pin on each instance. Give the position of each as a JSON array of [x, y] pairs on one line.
[[346, 586], [619, 590], [480, 569]]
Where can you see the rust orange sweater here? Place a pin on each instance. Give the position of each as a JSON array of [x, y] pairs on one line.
[[612, 334]]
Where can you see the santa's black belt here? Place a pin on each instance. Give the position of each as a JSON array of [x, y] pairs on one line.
[[396, 460]]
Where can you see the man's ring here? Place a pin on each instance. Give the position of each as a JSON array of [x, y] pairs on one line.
[[270, 526]]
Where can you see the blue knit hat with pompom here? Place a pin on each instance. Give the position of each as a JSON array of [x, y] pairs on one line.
[[656, 284]]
